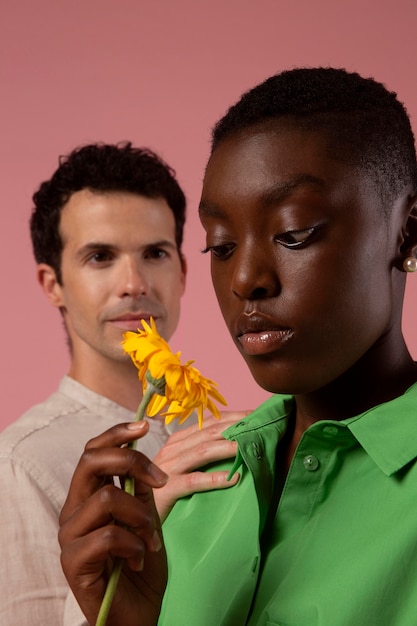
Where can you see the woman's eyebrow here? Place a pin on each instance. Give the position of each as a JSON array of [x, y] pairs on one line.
[[273, 195], [278, 192], [209, 209]]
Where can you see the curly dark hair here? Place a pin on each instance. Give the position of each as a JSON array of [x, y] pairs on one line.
[[100, 167], [366, 124]]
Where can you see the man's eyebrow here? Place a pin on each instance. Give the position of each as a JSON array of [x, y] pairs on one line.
[[161, 243], [93, 246]]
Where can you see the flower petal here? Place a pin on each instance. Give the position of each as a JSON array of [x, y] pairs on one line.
[[186, 390]]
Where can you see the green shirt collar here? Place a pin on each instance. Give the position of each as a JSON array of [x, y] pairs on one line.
[[387, 432]]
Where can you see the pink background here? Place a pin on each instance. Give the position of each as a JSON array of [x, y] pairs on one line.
[[159, 73]]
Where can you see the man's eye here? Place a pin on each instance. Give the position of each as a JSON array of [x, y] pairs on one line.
[[220, 252], [100, 257], [156, 253], [295, 238]]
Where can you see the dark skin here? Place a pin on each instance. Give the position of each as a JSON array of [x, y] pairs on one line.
[[308, 275], [91, 540]]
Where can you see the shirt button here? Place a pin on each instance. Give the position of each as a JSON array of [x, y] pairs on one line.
[[330, 431], [257, 450], [311, 462]]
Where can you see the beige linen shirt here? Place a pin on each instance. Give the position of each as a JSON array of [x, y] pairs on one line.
[[38, 455]]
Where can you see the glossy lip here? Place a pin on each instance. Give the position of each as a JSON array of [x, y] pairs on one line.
[[258, 334]]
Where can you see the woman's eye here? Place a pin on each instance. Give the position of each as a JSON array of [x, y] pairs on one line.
[[220, 252], [295, 238]]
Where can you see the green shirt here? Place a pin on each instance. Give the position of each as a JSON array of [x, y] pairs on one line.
[[341, 549]]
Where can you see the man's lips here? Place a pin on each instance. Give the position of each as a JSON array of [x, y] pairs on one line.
[[258, 334], [130, 321]]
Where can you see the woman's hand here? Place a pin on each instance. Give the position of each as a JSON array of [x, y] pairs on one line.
[[100, 523]]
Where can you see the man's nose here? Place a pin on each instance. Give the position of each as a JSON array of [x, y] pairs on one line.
[[133, 280]]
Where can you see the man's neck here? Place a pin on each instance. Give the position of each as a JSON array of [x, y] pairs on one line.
[[116, 380]]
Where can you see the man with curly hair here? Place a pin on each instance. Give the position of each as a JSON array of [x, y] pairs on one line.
[[107, 233]]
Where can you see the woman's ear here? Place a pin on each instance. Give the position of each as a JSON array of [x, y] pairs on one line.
[[409, 236], [48, 281]]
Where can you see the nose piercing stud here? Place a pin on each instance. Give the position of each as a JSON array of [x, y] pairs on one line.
[[410, 264]]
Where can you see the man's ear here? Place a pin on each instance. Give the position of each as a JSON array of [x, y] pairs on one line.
[[184, 268], [48, 281], [409, 235]]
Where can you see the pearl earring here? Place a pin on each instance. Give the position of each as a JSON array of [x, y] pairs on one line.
[[410, 264]]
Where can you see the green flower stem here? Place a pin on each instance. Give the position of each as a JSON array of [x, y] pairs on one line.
[[129, 487]]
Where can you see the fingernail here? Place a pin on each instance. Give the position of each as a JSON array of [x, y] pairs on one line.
[[156, 541], [136, 426], [137, 566], [157, 473], [234, 478]]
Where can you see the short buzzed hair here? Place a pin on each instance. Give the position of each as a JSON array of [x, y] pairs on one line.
[[365, 123]]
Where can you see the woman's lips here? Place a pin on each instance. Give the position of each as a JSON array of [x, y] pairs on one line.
[[260, 342]]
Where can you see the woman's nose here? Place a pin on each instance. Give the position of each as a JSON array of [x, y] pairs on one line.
[[255, 275]]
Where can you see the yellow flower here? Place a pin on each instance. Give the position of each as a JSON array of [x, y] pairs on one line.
[[165, 381], [185, 389], [143, 344]]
